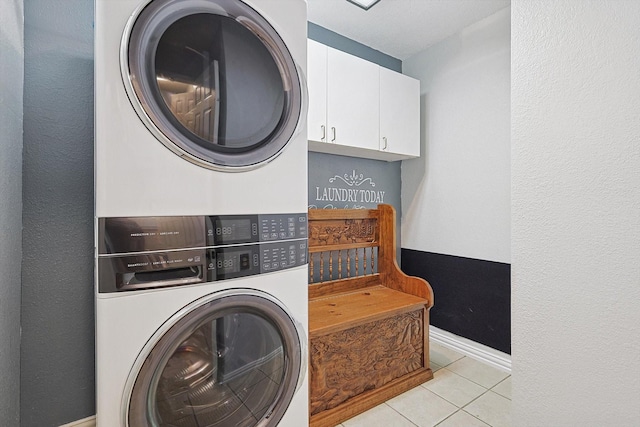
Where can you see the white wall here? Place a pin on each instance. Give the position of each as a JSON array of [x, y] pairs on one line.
[[576, 212], [11, 85], [456, 196]]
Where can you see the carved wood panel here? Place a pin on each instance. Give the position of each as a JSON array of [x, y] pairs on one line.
[[336, 232], [349, 362]]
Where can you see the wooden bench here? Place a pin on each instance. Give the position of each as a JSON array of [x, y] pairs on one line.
[[368, 321]]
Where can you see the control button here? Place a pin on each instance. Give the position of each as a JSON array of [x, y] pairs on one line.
[[275, 265], [266, 266]]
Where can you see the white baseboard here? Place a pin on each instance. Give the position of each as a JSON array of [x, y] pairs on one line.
[[475, 350], [85, 422]]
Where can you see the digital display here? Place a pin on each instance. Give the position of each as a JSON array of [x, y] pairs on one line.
[[233, 262], [232, 230]]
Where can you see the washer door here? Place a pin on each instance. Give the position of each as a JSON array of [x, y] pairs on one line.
[[213, 81], [230, 361]]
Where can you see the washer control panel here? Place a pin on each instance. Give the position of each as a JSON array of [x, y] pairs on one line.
[[150, 252]]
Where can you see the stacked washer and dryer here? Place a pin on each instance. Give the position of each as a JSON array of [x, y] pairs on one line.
[[201, 226]]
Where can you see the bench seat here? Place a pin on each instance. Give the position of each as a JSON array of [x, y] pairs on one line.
[[345, 310]]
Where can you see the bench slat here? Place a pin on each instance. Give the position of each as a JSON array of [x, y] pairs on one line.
[[341, 247]]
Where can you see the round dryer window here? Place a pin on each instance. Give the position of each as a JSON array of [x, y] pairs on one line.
[[213, 81], [231, 361]]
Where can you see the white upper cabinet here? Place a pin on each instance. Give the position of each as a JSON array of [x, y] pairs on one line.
[[399, 113], [317, 87], [359, 109], [353, 99]]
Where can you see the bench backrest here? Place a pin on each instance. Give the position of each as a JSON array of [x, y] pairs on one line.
[[343, 243], [350, 249]]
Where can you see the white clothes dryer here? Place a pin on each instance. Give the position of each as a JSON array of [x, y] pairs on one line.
[[187, 91], [201, 199]]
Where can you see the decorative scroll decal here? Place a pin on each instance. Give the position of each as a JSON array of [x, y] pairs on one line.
[[352, 196], [353, 180], [342, 231], [346, 363]]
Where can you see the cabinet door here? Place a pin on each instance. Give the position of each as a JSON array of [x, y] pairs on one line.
[[399, 113], [353, 97], [317, 87]]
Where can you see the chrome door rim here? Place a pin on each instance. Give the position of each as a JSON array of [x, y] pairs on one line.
[[299, 361], [296, 102]]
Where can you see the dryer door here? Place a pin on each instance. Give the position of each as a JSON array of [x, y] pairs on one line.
[[213, 81], [230, 361]]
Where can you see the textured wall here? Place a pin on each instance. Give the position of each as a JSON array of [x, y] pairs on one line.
[[11, 85], [576, 212], [57, 372], [455, 198]]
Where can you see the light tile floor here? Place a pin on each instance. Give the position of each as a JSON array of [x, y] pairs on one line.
[[462, 393]]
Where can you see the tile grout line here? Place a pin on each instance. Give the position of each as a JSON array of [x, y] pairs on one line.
[[499, 394], [401, 414], [462, 356], [488, 391], [451, 415], [462, 409], [444, 398], [469, 379]]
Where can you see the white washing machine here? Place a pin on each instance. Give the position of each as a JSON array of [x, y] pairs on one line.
[[201, 199]]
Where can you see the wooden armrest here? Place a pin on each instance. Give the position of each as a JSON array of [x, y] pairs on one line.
[[390, 274]]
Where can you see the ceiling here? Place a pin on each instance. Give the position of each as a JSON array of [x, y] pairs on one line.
[[401, 28]]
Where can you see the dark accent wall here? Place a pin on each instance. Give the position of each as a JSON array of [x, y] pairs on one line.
[[472, 297], [340, 182], [11, 114], [57, 354]]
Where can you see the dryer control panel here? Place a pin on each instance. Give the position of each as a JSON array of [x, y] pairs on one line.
[[150, 252]]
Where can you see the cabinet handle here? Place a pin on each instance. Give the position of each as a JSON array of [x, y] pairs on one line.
[[333, 131], [324, 133], [384, 138]]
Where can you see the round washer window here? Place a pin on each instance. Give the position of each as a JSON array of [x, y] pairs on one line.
[[232, 361], [213, 81]]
